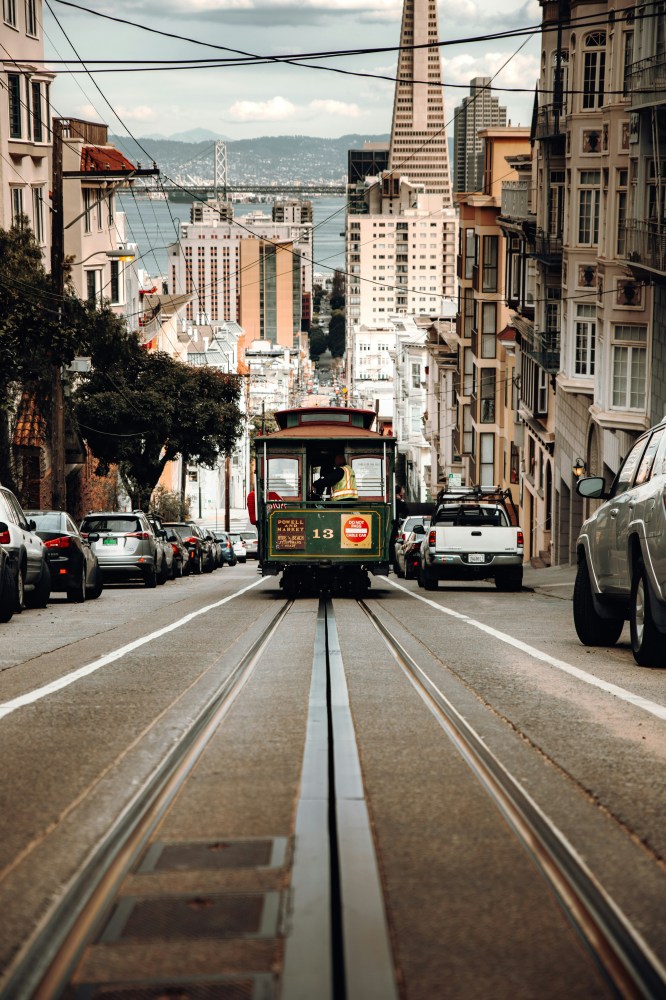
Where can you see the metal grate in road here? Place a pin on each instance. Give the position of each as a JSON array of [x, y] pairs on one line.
[[214, 915], [259, 987], [213, 855]]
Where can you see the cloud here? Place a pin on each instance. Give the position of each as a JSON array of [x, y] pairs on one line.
[[279, 109], [141, 113], [521, 71]]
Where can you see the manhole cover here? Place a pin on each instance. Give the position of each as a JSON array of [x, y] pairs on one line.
[[217, 854], [204, 916], [257, 987]]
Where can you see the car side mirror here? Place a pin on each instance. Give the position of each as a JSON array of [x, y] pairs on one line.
[[32, 525], [592, 488], [161, 533], [418, 529], [93, 536]]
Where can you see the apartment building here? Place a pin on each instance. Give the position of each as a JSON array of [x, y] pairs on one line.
[[409, 403], [477, 111], [484, 435], [439, 418], [25, 121]]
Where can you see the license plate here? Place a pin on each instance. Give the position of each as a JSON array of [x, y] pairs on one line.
[[110, 541], [476, 557]]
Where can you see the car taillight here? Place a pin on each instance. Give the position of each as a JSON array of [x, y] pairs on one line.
[[401, 536], [432, 536], [58, 543], [143, 535], [4, 538], [521, 539], [190, 541], [175, 548]]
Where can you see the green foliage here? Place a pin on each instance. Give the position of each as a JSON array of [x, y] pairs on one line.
[[269, 424], [170, 505], [336, 334], [141, 410], [318, 342]]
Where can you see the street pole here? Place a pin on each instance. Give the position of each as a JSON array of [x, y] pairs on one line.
[[227, 491], [59, 485]]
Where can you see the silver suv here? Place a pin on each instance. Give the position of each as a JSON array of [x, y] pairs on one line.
[[622, 554], [28, 563], [124, 544]]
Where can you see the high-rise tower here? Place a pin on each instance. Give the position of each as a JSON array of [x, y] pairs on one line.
[[477, 112], [418, 132]]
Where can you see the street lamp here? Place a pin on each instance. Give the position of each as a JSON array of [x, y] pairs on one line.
[[578, 468]]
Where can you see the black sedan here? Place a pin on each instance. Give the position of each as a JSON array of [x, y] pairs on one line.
[[73, 564]]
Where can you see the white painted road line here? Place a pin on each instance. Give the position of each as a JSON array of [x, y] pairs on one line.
[[633, 699], [7, 707]]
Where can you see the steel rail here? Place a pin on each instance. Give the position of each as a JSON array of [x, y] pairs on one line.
[[46, 963], [624, 957]]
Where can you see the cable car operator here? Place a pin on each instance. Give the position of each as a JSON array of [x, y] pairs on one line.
[[340, 480]]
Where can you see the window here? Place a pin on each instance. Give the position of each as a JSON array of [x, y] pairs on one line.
[[469, 380], [625, 476], [9, 10], [542, 391], [37, 129], [17, 205], [629, 366], [645, 468], [92, 285], [369, 474], [470, 312], [416, 375], [487, 460], [621, 211], [514, 474], [31, 17], [488, 329], [628, 59], [556, 203], [586, 329], [594, 69], [115, 281], [415, 425], [470, 252], [14, 92], [468, 431], [87, 203], [284, 476], [489, 278], [487, 395], [112, 209], [99, 202], [588, 207], [38, 214]]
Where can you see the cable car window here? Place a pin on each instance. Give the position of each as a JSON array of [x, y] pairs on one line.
[[284, 477], [369, 474]]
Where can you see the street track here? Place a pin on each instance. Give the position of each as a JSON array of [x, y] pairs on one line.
[[338, 942]]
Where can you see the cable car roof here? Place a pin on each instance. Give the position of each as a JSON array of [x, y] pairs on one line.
[[325, 422]]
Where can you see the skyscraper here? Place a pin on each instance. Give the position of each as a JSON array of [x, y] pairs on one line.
[[418, 132], [478, 111]]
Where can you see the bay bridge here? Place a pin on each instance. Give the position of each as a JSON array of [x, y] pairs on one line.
[[186, 192]]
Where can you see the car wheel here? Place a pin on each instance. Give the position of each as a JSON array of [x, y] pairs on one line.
[[77, 595], [647, 643], [39, 597], [198, 565], [177, 568], [98, 585], [150, 578], [509, 579], [163, 573], [397, 570], [7, 596], [591, 628], [19, 590], [426, 580]]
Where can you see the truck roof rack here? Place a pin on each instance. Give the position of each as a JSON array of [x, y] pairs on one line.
[[476, 494]]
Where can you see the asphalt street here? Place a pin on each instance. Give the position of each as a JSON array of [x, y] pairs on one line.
[[93, 697]]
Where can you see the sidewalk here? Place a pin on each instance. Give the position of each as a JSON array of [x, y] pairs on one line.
[[555, 581]]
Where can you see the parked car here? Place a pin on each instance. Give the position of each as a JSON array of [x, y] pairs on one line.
[[408, 555], [125, 545], [239, 547], [251, 539], [621, 552], [226, 547], [181, 555], [7, 587], [194, 541], [73, 564], [209, 536], [28, 561], [405, 529], [165, 569]]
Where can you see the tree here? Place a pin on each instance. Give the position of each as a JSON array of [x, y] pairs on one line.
[[336, 334], [141, 410], [318, 342]]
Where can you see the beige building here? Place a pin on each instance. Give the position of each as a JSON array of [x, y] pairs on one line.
[[484, 436], [25, 131]]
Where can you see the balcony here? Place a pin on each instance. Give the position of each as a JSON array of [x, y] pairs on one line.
[[544, 348], [647, 81], [550, 121], [516, 199], [546, 248], [645, 244]]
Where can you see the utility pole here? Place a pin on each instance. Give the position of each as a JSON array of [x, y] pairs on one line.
[[59, 487], [227, 491]]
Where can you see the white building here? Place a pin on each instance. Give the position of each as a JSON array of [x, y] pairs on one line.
[[440, 412], [273, 376], [409, 407], [25, 121], [372, 350]]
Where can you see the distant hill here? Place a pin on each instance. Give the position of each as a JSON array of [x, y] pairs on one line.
[[283, 158], [192, 135]]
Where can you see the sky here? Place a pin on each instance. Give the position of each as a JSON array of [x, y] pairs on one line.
[[277, 99]]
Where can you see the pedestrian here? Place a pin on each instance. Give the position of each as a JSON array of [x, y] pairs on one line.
[[341, 481], [401, 508]]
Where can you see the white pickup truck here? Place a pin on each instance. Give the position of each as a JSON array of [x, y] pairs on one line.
[[474, 535]]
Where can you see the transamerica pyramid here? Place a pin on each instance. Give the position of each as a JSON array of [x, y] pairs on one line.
[[419, 147]]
